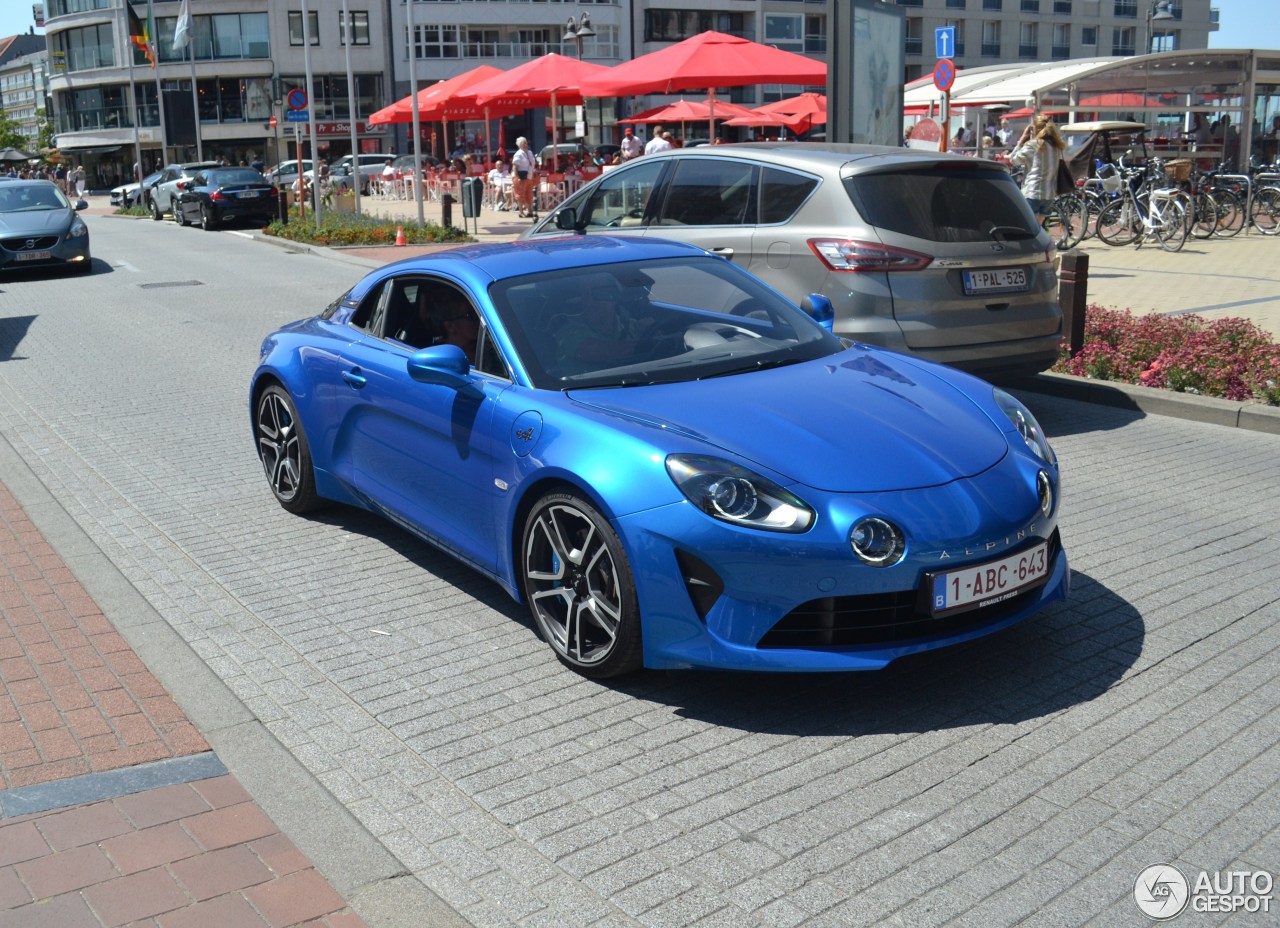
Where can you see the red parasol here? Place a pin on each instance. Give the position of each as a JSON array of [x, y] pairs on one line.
[[551, 80], [710, 60]]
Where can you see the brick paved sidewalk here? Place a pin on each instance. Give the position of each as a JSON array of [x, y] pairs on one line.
[[113, 810]]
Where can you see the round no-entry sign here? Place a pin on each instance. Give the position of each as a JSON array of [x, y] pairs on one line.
[[272, 122], [297, 99], [944, 74]]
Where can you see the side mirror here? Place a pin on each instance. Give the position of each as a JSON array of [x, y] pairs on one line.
[[820, 309], [567, 219], [81, 204], [445, 365]]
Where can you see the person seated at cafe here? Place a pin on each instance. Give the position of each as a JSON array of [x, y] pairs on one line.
[[500, 180]]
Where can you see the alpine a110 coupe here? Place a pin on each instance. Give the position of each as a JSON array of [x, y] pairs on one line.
[[671, 464]]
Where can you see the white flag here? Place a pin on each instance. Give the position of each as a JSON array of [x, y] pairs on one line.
[[182, 31]]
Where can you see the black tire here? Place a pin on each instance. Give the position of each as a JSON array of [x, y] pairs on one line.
[[1266, 210], [1119, 222], [208, 221], [284, 452], [179, 214], [156, 214], [1231, 216], [1203, 215], [579, 587], [1171, 228]]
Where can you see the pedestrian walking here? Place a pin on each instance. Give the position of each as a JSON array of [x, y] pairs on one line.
[[631, 146], [1039, 151], [522, 162]]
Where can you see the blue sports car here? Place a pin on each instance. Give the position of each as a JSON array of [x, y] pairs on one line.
[[671, 464]]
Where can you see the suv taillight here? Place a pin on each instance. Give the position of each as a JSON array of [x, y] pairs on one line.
[[842, 254]]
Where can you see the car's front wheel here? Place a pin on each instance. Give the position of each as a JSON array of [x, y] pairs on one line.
[[579, 587], [285, 454], [179, 213], [156, 213]]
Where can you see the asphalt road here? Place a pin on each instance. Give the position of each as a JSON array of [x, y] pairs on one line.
[[1026, 779]]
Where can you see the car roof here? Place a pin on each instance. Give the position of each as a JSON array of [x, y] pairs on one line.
[[829, 155], [31, 182], [488, 262]]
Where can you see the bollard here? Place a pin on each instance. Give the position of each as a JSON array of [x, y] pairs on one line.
[[446, 210], [282, 205], [1073, 297]]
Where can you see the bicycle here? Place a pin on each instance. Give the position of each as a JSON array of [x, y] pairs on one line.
[[1148, 211]]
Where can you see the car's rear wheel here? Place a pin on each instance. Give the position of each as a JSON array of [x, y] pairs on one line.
[[285, 454], [208, 221], [579, 587]]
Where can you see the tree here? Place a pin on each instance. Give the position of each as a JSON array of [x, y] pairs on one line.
[[11, 133]]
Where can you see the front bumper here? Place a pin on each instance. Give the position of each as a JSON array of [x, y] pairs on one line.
[[713, 595]]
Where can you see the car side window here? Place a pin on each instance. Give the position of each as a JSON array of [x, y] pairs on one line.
[[621, 198], [703, 192], [782, 193]]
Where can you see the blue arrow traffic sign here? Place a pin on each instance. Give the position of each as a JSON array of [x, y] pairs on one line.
[[944, 38]]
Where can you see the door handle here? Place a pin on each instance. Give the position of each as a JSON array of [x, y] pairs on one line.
[[724, 252], [354, 377]]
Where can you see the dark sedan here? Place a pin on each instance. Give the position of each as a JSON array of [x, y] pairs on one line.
[[217, 195]]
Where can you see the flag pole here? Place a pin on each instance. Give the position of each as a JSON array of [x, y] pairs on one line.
[[357, 179], [152, 51]]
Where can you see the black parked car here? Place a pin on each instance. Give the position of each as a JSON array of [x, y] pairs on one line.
[[215, 195]]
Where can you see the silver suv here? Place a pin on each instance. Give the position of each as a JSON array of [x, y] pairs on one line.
[[935, 255], [163, 194]]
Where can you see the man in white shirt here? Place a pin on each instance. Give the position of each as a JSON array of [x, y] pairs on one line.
[[658, 142], [631, 146]]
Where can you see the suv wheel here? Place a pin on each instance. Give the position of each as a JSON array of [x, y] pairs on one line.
[[156, 214]]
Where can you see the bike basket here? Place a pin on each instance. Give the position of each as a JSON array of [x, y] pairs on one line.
[[1111, 184], [1178, 169]]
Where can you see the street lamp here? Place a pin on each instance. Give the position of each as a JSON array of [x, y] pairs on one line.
[[576, 31], [1158, 12]]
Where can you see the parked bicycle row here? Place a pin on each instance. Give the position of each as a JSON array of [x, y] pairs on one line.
[[1165, 202]]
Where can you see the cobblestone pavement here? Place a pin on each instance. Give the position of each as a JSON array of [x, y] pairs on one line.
[[1024, 779]]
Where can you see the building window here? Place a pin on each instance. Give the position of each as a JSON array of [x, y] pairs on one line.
[[63, 7], [785, 31], [1061, 40], [1089, 36], [1123, 41], [955, 4], [328, 96], [1126, 9], [295, 27], [1028, 40], [993, 5], [1031, 6], [914, 36], [991, 39], [359, 28], [815, 33], [675, 25], [89, 47], [1062, 7], [438, 41]]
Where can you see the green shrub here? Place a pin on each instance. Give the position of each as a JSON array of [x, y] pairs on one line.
[[1230, 357], [340, 228]]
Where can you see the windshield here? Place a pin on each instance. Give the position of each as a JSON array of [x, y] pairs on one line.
[[651, 322], [32, 198]]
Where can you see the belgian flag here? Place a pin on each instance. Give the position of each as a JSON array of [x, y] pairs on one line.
[[140, 34]]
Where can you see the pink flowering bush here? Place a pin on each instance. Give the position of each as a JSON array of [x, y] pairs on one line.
[[1229, 358]]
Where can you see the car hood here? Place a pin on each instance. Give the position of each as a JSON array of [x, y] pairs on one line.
[[35, 222], [858, 421]]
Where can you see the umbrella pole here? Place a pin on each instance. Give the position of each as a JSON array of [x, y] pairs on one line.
[[555, 138], [711, 108]]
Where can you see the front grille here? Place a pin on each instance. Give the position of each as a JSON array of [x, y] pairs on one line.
[[882, 618], [41, 243]]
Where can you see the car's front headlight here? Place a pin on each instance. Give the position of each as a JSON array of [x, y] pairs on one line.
[[1026, 425], [78, 228], [734, 494]]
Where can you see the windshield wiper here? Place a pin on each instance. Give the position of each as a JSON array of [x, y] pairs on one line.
[[1010, 233]]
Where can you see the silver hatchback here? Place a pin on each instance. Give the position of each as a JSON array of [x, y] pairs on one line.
[[934, 255]]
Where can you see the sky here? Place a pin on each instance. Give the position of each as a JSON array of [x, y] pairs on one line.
[[1241, 23]]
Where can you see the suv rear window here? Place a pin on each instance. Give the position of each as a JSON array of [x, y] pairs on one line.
[[942, 205]]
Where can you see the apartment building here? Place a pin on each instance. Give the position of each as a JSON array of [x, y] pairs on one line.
[[22, 91], [217, 95]]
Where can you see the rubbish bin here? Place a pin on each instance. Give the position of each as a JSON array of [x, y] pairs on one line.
[[472, 197]]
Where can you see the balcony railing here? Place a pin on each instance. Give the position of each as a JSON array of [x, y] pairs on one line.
[[990, 49], [1126, 10], [1062, 7], [1060, 51], [1030, 6], [914, 46], [1028, 51]]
